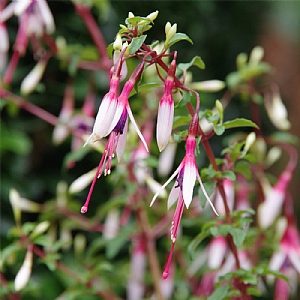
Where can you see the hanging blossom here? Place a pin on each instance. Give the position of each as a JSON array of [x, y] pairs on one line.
[[35, 19], [182, 191]]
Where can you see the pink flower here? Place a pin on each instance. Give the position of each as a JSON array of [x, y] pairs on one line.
[[288, 254], [165, 114], [271, 207], [115, 144], [182, 191]]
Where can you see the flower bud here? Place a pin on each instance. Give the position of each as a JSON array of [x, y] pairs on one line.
[[167, 27], [40, 229], [22, 204], [153, 15], [171, 33], [24, 273], [112, 224], [82, 182], [130, 15], [118, 43], [256, 55], [33, 78], [277, 112], [208, 86]]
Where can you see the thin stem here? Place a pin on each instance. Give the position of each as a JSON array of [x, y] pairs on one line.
[[95, 33]]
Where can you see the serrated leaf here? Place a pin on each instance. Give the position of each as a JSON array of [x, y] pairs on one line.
[[219, 293], [239, 122], [179, 37], [196, 61], [136, 44]]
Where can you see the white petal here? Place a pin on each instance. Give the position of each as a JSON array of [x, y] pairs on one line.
[[164, 124], [174, 194], [189, 178], [217, 251], [275, 264], [166, 183], [46, 16], [105, 117], [270, 208], [205, 194], [82, 182]]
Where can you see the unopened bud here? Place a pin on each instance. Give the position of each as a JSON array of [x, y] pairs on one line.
[[208, 86], [22, 204], [33, 78], [130, 15], [152, 16], [24, 273], [79, 244], [118, 43], [277, 112], [171, 33], [112, 224], [241, 60], [250, 139], [40, 229], [82, 182], [272, 156], [167, 28], [256, 55]]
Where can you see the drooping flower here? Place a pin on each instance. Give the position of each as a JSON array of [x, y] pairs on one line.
[[115, 145], [182, 191], [272, 205], [165, 113]]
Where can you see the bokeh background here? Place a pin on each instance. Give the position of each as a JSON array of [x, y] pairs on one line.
[[220, 31]]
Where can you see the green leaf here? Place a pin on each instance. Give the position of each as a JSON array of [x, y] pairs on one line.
[[179, 37], [239, 122], [285, 137], [110, 50], [230, 175], [196, 61], [196, 241], [136, 44], [114, 245], [238, 235], [134, 20], [219, 129], [181, 121], [76, 155], [219, 293]]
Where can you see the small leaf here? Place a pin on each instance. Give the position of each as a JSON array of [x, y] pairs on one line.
[[230, 175], [239, 122], [196, 241], [196, 61], [219, 293], [219, 129], [179, 37], [238, 235], [136, 44]]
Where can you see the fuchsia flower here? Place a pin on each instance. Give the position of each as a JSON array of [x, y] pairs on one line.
[[186, 173], [165, 114], [115, 144], [272, 205]]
